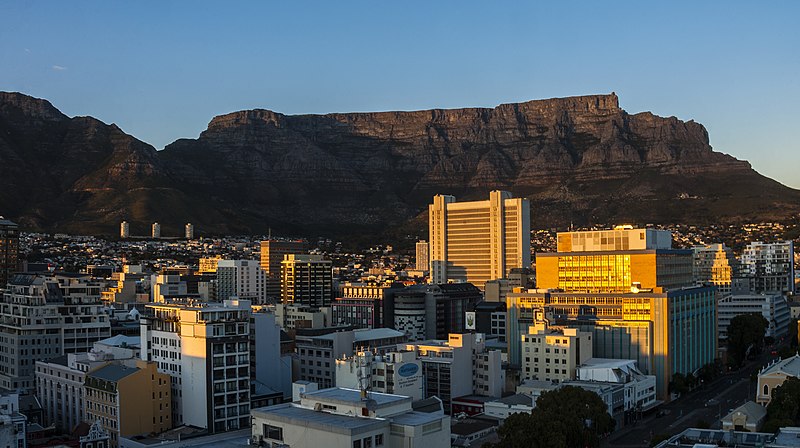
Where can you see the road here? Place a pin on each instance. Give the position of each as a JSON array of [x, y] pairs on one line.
[[726, 393]]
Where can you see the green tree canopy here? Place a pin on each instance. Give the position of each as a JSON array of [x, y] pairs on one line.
[[566, 417], [745, 330], [784, 408]]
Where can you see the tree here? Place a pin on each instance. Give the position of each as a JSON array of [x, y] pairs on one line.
[[566, 417], [744, 331], [784, 407], [679, 384]]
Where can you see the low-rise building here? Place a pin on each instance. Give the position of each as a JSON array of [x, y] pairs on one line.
[[349, 418], [640, 389], [554, 353], [773, 307], [13, 424], [513, 404], [747, 417], [774, 375], [398, 373]]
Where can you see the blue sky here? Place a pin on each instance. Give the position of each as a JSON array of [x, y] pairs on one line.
[[162, 69]]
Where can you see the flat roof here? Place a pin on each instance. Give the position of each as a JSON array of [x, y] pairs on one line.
[[353, 396], [113, 372], [416, 418], [293, 414]]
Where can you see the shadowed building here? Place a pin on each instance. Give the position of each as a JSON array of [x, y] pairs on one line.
[[9, 250]]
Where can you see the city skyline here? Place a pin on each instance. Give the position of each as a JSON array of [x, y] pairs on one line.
[[166, 70]]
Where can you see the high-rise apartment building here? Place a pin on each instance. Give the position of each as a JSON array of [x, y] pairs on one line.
[[272, 253], [714, 264], [189, 231], [243, 279], [206, 352], [306, 280], [124, 229], [128, 400], [9, 250], [423, 257], [478, 241], [156, 230], [769, 267], [45, 316]]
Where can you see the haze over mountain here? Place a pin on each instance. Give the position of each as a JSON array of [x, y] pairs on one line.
[[580, 160]]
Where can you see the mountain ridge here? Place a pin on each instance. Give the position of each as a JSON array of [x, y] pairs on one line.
[[580, 159]]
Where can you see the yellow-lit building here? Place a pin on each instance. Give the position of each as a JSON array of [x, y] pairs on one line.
[[209, 265], [632, 291], [478, 241], [272, 253], [714, 264], [128, 401], [554, 353]]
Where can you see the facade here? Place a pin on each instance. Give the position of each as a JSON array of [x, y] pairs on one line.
[[46, 316], [664, 332], [243, 279], [272, 253], [156, 230], [13, 424], [189, 231], [769, 267], [423, 257], [206, 352], [306, 280], [9, 250], [165, 286], [124, 230], [478, 241], [398, 373], [268, 367], [317, 354], [364, 305], [128, 401], [774, 375], [773, 307], [292, 317], [553, 354], [429, 311], [346, 418], [459, 366], [640, 389], [747, 417], [714, 264], [209, 265]]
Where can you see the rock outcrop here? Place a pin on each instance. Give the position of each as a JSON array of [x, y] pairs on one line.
[[580, 160]]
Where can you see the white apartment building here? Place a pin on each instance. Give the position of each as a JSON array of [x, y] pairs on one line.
[[290, 316], [189, 231], [348, 418], [773, 307], [206, 351], [243, 279], [423, 257], [165, 286], [458, 366], [398, 373], [124, 230], [769, 266], [46, 316], [13, 424], [156, 230], [640, 389], [553, 354], [478, 241]]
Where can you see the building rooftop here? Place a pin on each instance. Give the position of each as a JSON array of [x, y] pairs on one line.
[[121, 340], [377, 333], [415, 418], [787, 437], [353, 397], [788, 366], [517, 399], [113, 372], [297, 415], [751, 409], [693, 437]]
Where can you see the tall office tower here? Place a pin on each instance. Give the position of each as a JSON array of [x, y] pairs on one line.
[[9, 250], [272, 253], [45, 316], [433, 311], [307, 280], [156, 233], [614, 261], [365, 305], [423, 257], [206, 352], [632, 291], [189, 231], [243, 279], [478, 241], [714, 264], [124, 230], [769, 267]]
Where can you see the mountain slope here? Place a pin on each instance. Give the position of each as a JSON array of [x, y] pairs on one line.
[[580, 159]]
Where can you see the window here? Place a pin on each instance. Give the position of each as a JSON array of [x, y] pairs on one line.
[[378, 439], [368, 442], [357, 443], [273, 432], [766, 390]]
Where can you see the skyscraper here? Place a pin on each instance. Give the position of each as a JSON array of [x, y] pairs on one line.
[[156, 230], [124, 230], [423, 256], [478, 241], [189, 231], [9, 250], [769, 267], [272, 252], [306, 280]]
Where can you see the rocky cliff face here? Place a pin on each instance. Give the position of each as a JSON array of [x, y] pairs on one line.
[[580, 160]]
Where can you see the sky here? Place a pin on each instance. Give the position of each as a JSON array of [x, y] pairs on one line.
[[161, 70]]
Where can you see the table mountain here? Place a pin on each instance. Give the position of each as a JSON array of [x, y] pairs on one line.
[[580, 160]]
